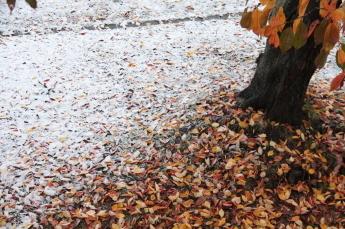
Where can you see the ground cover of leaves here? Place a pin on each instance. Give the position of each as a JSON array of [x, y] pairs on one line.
[[223, 167]]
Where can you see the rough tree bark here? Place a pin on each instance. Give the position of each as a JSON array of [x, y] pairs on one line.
[[281, 79]]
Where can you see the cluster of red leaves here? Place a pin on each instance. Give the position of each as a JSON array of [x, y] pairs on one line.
[[223, 168]]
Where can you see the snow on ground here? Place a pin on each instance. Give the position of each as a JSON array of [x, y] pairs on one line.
[[65, 95], [76, 14]]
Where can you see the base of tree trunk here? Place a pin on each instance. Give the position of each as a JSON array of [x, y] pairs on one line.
[[281, 79], [280, 83]]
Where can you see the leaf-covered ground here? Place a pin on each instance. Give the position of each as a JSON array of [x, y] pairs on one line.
[[223, 167], [74, 97]]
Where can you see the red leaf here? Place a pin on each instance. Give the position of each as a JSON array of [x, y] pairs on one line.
[[338, 81]]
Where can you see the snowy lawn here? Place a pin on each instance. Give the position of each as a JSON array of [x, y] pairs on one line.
[[64, 97]]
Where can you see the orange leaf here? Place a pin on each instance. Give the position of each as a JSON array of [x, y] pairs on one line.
[[277, 24], [274, 40], [338, 81], [279, 20], [327, 7], [302, 7], [256, 25], [337, 15], [296, 24], [341, 56], [268, 3]]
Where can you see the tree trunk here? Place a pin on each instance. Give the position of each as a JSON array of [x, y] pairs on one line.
[[281, 79]]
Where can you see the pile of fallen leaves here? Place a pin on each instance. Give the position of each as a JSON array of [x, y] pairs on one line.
[[222, 167]]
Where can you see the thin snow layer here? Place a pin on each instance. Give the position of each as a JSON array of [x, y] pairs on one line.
[[76, 14], [64, 95]]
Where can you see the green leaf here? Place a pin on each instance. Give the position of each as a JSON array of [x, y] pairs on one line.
[[321, 59], [320, 31], [32, 3], [301, 36], [286, 39]]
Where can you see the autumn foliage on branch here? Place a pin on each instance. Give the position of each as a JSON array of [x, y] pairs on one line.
[[267, 19], [12, 3]]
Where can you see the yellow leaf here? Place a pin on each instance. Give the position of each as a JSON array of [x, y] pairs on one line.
[[216, 149], [117, 207], [260, 212], [102, 213], [138, 170], [190, 53], [221, 213], [270, 153], [115, 226], [140, 204], [284, 192], [2, 220], [119, 215], [174, 197], [243, 124], [182, 174], [182, 226], [231, 163], [207, 204], [221, 222], [187, 203], [319, 195], [311, 171]]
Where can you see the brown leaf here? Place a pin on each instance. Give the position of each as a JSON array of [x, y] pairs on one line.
[[338, 81], [11, 4], [32, 3], [284, 192], [246, 19]]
